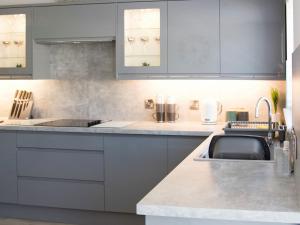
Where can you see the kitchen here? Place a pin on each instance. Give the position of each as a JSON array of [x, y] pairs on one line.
[[117, 61]]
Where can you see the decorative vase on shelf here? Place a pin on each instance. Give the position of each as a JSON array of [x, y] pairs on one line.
[[276, 118]]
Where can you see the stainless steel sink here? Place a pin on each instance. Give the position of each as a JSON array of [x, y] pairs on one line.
[[238, 147]]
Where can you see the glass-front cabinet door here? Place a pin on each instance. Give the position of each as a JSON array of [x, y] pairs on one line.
[[142, 38], [15, 42]]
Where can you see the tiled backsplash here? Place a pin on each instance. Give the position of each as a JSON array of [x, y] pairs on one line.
[[88, 89]]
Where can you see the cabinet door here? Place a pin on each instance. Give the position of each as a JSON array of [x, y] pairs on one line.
[[193, 37], [8, 173], [181, 147], [75, 21], [141, 38], [16, 42], [133, 166], [251, 37]]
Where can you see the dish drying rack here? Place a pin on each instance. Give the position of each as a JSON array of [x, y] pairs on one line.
[[249, 125], [22, 105]]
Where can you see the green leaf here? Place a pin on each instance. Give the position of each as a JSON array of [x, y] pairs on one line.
[[275, 98]]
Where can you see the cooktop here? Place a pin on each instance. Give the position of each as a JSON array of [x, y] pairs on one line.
[[70, 123]]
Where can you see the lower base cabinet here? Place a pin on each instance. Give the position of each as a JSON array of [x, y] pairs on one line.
[[91, 172], [180, 147], [8, 171], [61, 170], [135, 164]]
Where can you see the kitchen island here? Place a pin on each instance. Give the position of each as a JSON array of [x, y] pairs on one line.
[[220, 192]]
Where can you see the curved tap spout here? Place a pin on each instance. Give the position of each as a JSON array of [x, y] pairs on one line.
[[260, 100]]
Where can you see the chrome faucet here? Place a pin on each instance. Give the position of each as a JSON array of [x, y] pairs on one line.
[[261, 99]]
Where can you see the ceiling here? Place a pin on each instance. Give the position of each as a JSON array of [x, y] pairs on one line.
[[22, 2]]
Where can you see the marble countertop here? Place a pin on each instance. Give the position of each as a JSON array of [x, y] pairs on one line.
[[224, 190], [117, 127]]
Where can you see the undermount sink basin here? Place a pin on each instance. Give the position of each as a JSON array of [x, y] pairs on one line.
[[238, 148]]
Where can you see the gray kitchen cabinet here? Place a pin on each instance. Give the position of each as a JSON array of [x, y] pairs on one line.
[[69, 194], [63, 164], [134, 164], [16, 43], [87, 22], [141, 43], [69, 167], [8, 171], [193, 37], [58, 140], [181, 147], [252, 37]]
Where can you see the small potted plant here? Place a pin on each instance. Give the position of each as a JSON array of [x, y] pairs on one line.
[[275, 101]]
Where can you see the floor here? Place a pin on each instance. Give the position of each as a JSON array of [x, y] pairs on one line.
[[24, 222]]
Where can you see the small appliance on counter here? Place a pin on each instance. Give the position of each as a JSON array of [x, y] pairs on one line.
[[22, 105], [211, 109]]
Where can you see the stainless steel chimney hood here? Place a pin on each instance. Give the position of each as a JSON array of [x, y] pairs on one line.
[[50, 41]]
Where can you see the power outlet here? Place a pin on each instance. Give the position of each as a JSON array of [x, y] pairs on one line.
[[195, 105], [149, 104]]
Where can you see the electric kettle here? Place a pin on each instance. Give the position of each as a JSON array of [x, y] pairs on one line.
[[211, 109]]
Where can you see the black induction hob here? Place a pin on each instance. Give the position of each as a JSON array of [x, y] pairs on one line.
[[70, 123]]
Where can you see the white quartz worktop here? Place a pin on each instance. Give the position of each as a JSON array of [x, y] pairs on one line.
[[223, 190], [117, 127]]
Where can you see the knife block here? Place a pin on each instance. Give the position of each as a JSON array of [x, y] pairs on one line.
[[22, 105]]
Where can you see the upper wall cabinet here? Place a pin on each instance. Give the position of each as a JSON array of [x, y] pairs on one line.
[[193, 37], [252, 37], [142, 38], [15, 42], [75, 21]]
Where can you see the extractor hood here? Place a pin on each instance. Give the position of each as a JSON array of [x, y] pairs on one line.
[[73, 40]]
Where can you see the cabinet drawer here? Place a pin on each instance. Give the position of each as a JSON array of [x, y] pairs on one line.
[[60, 141], [61, 194], [65, 164]]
